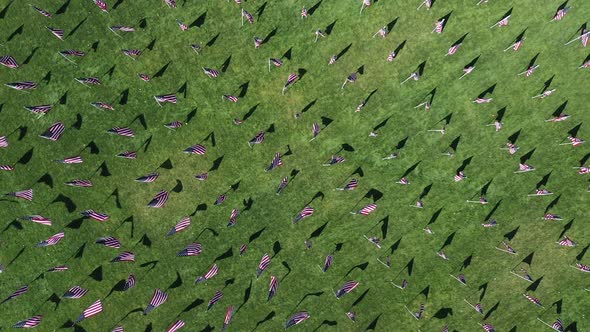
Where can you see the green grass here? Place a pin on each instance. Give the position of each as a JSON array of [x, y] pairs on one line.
[[383, 303]]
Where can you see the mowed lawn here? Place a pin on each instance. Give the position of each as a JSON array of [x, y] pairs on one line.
[[237, 170]]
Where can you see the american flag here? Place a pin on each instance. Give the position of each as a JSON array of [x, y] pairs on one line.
[[130, 282], [560, 117], [460, 176], [127, 155], [582, 267], [488, 328], [276, 62], [202, 176], [23, 194], [122, 28], [282, 185], [170, 3], [365, 211], [558, 325], [159, 199], [54, 132], [367, 3], [8, 61], [272, 288], [40, 109], [193, 249], [584, 170], [517, 44], [59, 268], [391, 56], [173, 125], [101, 105], [533, 299], [52, 240], [148, 178], [541, 192], [560, 14], [258, 42], [3, 142], [333, 59], [38, 219], [508, 247], [263, 265], [504, 21], [109, 241], [210, 274], [352, 184], [89, 80], [98, 216], [276, 162], [306, 212], [453, 49], [335, 160], [211, 72], [121, 131], [584, 37], [101, 4], [315, 130], [525, 168], [26, 85], [16, 293], [220, 199], [243, 248], [442, 255], [118, 329], [75, 292], [182, 26], [575, 141], [72, 53], [231, 98], [216, 297], [59, 33], [259, 138], [166, 99], [420, 311], [131, 53], [158, 298], [232, 217], [550, 216], [404, 181], [248, 16], [478, 308], [291, 79], [566, 242], [94, 309], [439, 26], [228, 315], [303, 12], [489, 224], [482, 100], [297, 318], [512, 148], [29, 322], [346, 288], [41, 11], [144, 77], [178, 324], [351, 315], [328, 263], [531, 70], [196, 149], [462, 279], [126, 256], [351, 78], [6, 168]]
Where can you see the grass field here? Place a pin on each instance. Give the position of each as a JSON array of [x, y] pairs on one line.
[[265, 220]]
